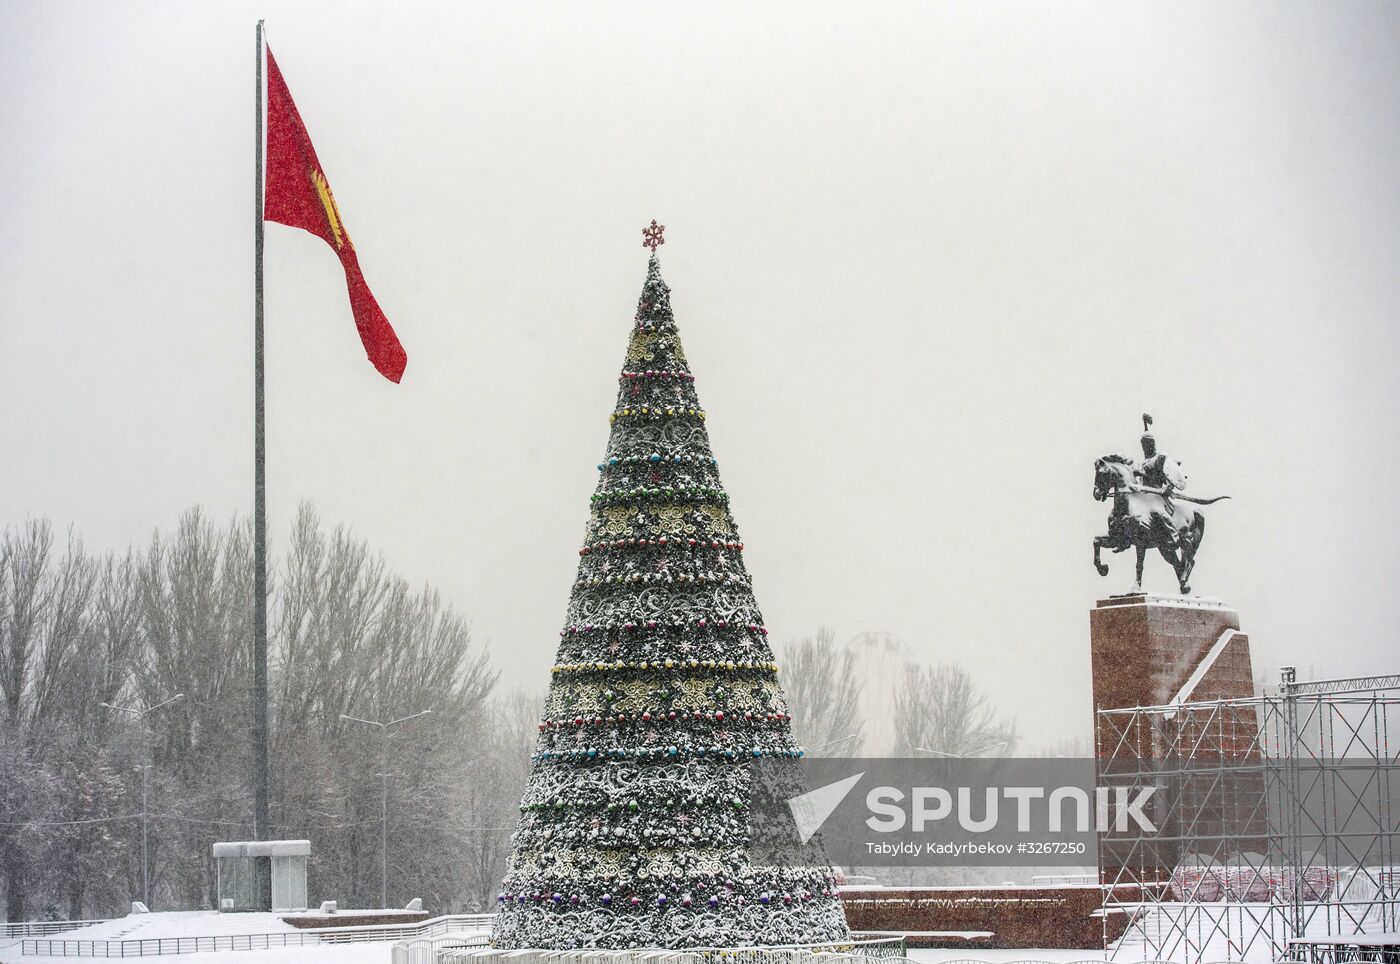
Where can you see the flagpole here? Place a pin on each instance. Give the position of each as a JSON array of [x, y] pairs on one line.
[[260, 802]]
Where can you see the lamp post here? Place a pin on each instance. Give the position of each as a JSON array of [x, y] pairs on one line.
[[962, 756], [141, 713], [384, 794], [839, 739]]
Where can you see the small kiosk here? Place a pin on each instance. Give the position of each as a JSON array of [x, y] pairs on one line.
[[237, 863]]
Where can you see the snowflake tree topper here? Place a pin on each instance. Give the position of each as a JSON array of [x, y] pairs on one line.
[[651, 236]]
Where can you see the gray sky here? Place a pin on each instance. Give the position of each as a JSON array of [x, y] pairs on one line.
[[930, 260]]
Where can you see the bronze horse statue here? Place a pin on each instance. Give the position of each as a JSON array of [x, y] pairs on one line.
[[1145, 518]]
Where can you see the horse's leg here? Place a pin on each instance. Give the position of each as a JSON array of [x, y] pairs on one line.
[[1189, 545], [1098, 563], [1177, 560], [1141, 548]]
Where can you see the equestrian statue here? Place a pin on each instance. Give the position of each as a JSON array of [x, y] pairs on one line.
[[1149, 511]]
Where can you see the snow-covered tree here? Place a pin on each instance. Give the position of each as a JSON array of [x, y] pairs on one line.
[[135, 628]]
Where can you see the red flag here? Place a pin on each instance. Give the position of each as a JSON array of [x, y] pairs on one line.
[[299, 195]]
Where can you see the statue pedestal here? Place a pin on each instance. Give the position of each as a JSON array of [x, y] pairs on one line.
[[1150, 650], [1171, 652]]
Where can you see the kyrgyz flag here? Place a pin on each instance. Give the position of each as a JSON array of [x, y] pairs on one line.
[[298, 195]]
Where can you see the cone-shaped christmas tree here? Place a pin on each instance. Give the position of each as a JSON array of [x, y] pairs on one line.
[[634, 829]]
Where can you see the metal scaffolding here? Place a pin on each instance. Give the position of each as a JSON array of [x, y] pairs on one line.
[[1276, 822]]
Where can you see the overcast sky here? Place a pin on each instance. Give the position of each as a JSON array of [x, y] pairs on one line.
[[929, 261]]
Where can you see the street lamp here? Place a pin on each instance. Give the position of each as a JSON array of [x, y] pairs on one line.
[[962, 756], [384, 794], [839, 739], [141, 713]]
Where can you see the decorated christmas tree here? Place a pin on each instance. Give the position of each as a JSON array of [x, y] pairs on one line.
[[635, 826]]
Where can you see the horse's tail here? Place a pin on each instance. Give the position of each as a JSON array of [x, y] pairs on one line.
[[1199, 501]]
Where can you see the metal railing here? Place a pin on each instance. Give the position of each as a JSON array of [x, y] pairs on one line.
[[856, 951], [426, 950], [1381, 949], [157, 946], [38, 928], [436, 927], [160, 946]]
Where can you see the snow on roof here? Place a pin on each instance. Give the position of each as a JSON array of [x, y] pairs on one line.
[[263, 848]]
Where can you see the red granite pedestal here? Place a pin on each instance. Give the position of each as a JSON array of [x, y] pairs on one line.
[[1186, 657], [1011, 915], [1150, 650]]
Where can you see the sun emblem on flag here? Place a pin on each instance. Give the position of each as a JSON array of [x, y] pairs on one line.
[[323, 191]]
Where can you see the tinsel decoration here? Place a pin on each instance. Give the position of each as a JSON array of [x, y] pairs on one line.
[[635, 827]]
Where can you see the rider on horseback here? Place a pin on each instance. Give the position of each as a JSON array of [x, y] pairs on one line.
[[1158, 473], [1147, 511]]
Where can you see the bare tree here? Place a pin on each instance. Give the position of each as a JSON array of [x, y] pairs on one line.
[[939, 709], [349, 637], [823, 692], [45, 610], [194, 592], [91, 857], [45, 603], [490, 797], [355, 640]]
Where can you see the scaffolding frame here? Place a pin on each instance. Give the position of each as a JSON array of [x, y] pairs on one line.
[[1276, 821]]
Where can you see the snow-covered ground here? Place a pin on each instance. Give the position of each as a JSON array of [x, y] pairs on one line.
[[180, 923], [209, 923], [188, 924], [380, 954], [322, 954]]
